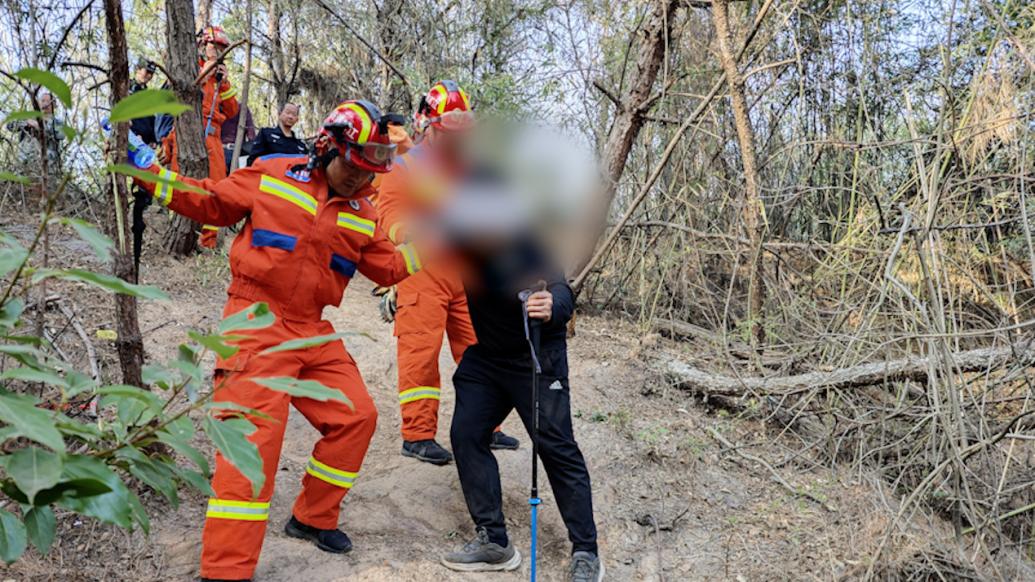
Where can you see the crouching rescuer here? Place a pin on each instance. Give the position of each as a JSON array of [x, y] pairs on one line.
[[308, 228]]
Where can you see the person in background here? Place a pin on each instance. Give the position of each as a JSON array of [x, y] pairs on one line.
[[280, 139], [28, 134], [230, 135], [144, 127]]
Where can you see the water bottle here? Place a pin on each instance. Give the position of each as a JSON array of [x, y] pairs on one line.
[[140, 154]]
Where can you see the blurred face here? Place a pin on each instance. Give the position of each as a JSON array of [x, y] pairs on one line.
[[212, 51], [289, 115], [143, 76], [449, 144], [46, 101]]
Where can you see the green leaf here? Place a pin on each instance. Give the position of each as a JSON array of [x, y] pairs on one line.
[[11, 311], [34, 375], [101, 244], [127, 170], [38, 425], [188, 451], [255, 316], [216, 343], [11, 259], [40, 525], [112, 506], [154, 473], [158, 376], [69, 132], [304, 388], [11, 177], [230, 436], [23, 115], [196, 480], [103, 281], [305, 342], [12, 537], [130, 411], [145, 104], [34, 469], [117, 391], [49, 80]]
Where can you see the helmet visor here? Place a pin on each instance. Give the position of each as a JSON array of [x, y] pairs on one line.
[[377, 155]]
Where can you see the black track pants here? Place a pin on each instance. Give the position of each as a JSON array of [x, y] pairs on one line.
[[487, 389]]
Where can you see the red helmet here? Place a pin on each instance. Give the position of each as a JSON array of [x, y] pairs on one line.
[[445, 107], [360, 133], [214, 35]]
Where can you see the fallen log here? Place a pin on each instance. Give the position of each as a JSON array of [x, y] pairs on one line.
[[910, 369]]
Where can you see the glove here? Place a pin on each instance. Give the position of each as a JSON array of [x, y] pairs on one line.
[[388, 302]]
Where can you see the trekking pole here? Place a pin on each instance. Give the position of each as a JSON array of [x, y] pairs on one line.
[[533, 333]]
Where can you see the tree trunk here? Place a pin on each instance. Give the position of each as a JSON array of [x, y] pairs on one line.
[[276, 61], [130, 344], [243, 123], [204, 17], [182, 236], [391, 29], [752, 210], [633, 107]]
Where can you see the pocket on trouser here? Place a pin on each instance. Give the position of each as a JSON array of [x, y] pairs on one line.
[[407, 313]]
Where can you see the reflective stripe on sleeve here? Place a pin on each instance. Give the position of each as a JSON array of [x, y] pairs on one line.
[[356, 223], [420, 393], [410, 256], [329, 474], [164, 190], [231, 92], [239, 510]]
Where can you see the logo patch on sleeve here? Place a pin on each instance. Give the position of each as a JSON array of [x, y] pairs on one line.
[[556, 385]]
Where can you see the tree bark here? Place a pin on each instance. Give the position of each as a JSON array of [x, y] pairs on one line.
[[204, 17], [130, 344], [181, 238], [633, 107], [752, 210], [243, 116], [391, 29]]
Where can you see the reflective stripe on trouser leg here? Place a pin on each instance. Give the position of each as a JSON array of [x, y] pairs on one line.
[[337, 457], [236, 518]]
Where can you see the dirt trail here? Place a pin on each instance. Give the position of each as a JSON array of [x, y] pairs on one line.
[[649, 457], [670, 504]]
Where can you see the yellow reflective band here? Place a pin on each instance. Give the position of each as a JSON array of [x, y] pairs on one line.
[[394, 230], [353, 222], [164, 191], [420, 393], [239, 510], [329, 474], [410, 257], [467, 103], [364, 132], [285, 191], [209, 227], [441, 107], [231, 92]]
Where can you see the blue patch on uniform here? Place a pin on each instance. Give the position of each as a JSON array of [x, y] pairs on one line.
[[268, 238], [300, 176], [274, 156], [342, 265]]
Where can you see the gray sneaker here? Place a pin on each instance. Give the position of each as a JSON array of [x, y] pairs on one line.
[[481, 555], [585, 567]]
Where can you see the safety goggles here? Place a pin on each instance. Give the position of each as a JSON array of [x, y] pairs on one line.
[[376, 155], [455, 120]]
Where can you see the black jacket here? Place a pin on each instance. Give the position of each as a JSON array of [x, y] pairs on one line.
[[271, 140], [492, 287]]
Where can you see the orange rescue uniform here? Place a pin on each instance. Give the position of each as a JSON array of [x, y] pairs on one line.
[[430, 304], [218, 103], [297, 252]]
